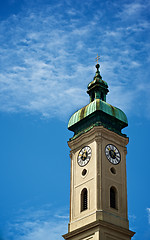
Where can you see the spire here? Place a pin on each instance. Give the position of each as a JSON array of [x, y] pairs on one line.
[[98, 112], [97, 74], [97, 89]]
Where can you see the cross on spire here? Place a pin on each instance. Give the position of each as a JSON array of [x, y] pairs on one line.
[[97, 58]]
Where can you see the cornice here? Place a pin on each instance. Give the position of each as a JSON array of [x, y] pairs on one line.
[[98, 133], [99, 224]]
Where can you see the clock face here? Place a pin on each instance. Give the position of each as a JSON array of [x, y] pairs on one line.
[[112, 154], [84, 156]]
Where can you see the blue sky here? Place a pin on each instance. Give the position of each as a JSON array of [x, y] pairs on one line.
[[47, 58]]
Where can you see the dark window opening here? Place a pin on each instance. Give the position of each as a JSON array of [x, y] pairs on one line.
[[113, 198], [93, 97], [84, 172], [102, 96], [113, 170], [84, 204]]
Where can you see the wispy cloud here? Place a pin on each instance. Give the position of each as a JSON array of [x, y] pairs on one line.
[[132, 10], [132, 221], [37, 224], [148, 211], [45, 59]]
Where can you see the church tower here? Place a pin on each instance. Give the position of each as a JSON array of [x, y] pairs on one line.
[[98, 189]]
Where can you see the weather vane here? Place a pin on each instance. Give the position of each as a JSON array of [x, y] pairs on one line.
[[97, 58]]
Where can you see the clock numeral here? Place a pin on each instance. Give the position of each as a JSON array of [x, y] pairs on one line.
[[115, 161], [84, 156], [79, 160], [112, 154]]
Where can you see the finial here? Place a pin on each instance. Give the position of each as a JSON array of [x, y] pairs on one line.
[[97, 65]]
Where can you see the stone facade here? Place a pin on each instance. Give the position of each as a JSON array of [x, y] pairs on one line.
[[99, 220]]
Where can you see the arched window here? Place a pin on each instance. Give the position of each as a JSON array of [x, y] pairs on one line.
[[113, 197], [84, 200]]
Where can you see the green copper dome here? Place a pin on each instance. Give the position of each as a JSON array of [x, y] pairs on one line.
[[102, 107], [98, 112]]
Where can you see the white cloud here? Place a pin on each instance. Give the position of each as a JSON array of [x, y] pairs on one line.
[[148, 211], [38, 69], [40, 230], [46, 60], [131, 10], [38, 224]]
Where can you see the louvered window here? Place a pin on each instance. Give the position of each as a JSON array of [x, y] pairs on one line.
[[113, 197], [84, 199]]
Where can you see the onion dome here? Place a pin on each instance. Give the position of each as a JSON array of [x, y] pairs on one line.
[[98, 112]]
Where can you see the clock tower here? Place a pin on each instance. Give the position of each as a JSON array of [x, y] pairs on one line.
[[98, 188]]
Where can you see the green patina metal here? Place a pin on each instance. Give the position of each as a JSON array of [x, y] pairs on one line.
[[98, 79], [98, 88], [102, 107], [98, 112]]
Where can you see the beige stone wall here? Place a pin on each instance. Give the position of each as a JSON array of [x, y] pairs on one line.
[[79, 182], [118, 180], [98, 180]]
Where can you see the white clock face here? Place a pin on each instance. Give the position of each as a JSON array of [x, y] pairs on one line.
[[84, 156], [112, 154]]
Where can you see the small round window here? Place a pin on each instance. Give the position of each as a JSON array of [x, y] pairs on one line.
[[84, 172], [113, 170]]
